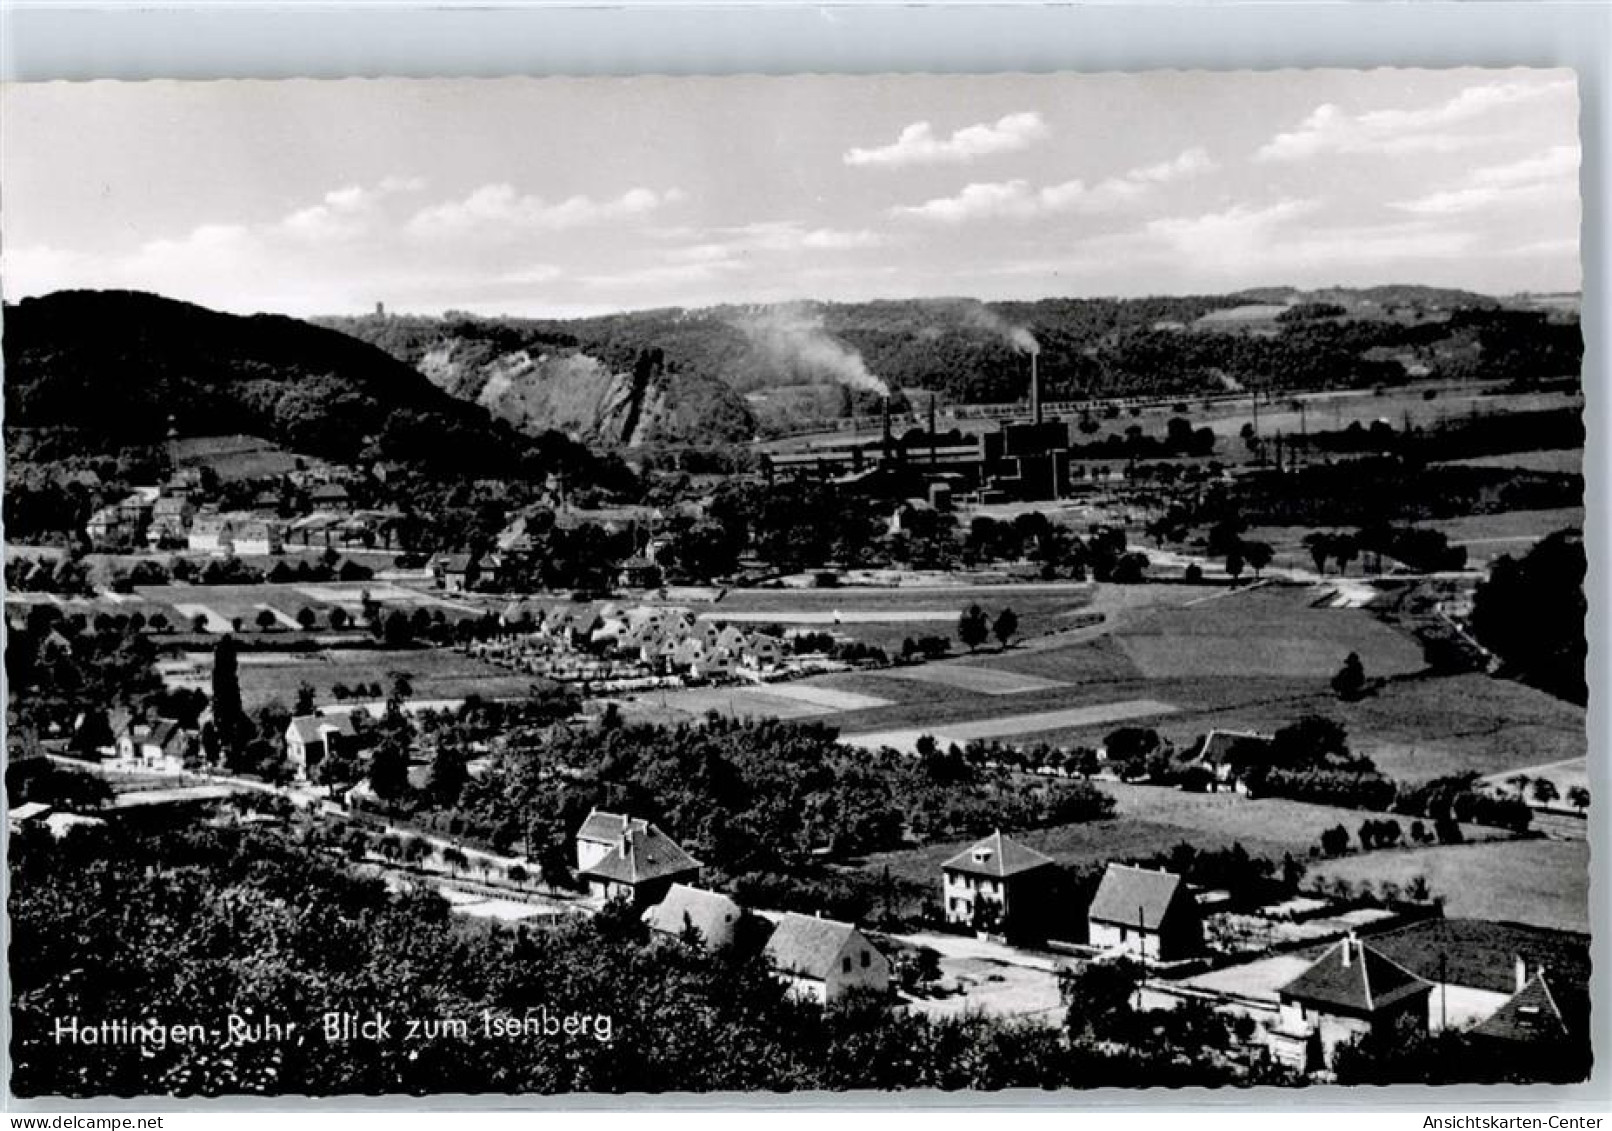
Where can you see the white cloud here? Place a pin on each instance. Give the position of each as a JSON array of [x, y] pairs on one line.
[[1019, 200], [501, 207], [1231, 233], [1429, 129], [1547, 177], [347, 212], [918, 144]]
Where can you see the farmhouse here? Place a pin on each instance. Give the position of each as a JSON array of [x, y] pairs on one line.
[[1225, 754], [623, 857], [156, 745], [824, 959], [1151, 914], [310, 738], [1349, 991], [997, 882], [712, 914]]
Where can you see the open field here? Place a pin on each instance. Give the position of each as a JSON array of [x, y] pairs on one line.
[[1414, 727], [1561, 461], [975, 678], [221, 604], [774, 700], [1487, 536], [1152, 819], [435, 673], [1544, 883], [1269, 631], [1011, 726], [240, 457]]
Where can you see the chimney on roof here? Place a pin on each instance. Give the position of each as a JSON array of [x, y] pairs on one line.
[[1522, 973], [1348, 950]]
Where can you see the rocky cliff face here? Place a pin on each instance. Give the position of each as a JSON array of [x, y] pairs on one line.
[[572, 392]]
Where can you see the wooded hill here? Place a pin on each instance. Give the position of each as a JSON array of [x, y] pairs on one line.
[[94, 371], [972, 352]]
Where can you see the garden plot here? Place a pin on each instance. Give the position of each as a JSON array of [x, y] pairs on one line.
[[981, 681], [1006, 726]]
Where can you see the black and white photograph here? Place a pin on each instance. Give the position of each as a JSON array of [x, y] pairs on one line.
[[795, 584]]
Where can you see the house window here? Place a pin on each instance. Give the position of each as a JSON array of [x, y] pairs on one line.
[[845, 964], [1124, 934], [867, 960]]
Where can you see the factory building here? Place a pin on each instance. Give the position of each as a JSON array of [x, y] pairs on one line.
[[1025, 460]]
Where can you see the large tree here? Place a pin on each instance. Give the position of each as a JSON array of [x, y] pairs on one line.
[[1530, 612], [229, 718]]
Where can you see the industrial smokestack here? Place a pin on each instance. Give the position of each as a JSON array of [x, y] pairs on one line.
[[933, 455], [1035, 390]]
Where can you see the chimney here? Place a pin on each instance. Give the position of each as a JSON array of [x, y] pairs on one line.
[[889, 443], [1348, 950], [1522, 973], [1035, 390], [933, 459]]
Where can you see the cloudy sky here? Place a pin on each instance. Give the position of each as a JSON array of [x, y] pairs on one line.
[[574, 196]]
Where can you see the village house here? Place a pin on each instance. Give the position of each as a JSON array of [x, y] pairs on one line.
[[171, 517], [160, 744], [310, 738], [622, 857], [330, 497], [1530, 1016], [234, 532], [1348, 992], [28, 814], [1150, 914], [995, 884], [823, 959], [122, 523], [1226, 754], [715, 916], [456, 573], [638, 573]]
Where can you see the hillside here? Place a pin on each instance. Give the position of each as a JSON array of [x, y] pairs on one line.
[[536, 378], [822, 359], [97, 370]]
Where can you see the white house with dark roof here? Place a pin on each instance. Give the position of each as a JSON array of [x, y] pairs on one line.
[[1226, 754], [1350, 991], [158, 744], [1150, 914], [625, 857], [310, 738], [715, 916], [994, 882], [824, 959]]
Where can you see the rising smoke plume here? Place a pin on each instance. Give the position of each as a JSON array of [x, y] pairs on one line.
[[979, 315], [793, 339]]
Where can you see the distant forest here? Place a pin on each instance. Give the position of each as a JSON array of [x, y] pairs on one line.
[[964, 350]]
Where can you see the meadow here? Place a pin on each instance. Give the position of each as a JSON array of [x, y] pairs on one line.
[[434, 673], [1150, 820], [1543, 883]]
